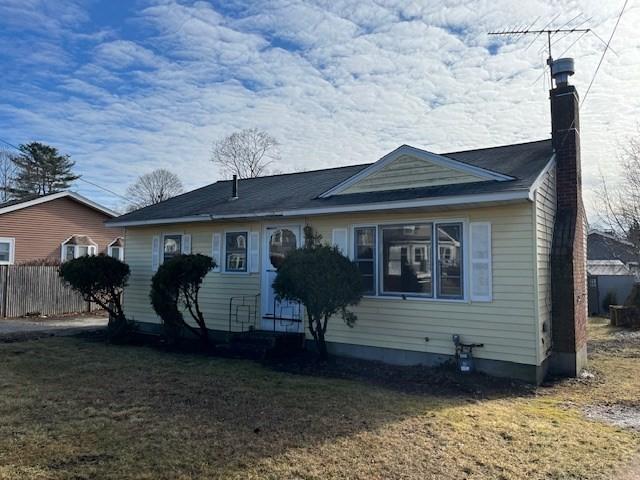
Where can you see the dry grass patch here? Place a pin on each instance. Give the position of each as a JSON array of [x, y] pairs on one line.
[[73, 408]]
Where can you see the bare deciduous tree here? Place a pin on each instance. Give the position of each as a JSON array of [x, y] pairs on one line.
[[8, 171], [619, 204], [152, 188], [247, 153]]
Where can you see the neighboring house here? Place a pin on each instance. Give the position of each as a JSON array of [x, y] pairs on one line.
[[458, 243], [610, 282], [56, 227], [612, 265], [607, 246]]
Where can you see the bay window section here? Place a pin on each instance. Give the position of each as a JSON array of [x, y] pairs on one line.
[[365, 257], [406, 259], [449, 250]]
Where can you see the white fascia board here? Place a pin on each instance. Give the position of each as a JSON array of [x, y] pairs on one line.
[[54, 196], [517, 195], [541, 177], [423, 155]]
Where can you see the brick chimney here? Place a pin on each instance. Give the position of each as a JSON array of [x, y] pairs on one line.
[[568, 253]]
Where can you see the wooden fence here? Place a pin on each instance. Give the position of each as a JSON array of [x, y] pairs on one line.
[[29, 290]]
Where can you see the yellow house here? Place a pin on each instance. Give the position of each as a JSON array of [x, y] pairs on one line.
[[448, 244]]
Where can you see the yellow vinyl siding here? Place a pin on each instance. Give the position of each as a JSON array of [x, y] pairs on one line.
[[217, 288], [545, 211], [507, 325], [410, 172]]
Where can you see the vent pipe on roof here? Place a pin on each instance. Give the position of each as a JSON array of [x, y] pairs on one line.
[[561, 70], [234, 188]]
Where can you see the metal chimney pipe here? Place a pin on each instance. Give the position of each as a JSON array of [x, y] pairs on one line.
[[234, 187]]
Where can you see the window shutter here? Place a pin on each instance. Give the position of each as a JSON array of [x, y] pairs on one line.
[[254, 252], [339, 239], [216, 243], [63, 253], [186, 244], [155, 253], [481, 278]]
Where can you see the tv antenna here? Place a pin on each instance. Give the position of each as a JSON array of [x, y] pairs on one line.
[[550, 32]]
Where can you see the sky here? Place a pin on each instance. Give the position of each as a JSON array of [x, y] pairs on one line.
[[125, 87]]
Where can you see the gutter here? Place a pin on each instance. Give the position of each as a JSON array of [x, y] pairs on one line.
[[517, 195]]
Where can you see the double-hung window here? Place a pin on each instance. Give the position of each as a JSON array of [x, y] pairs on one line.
[[172, 246], [450, 278], [7, 250], [365, 252], [236, 251]]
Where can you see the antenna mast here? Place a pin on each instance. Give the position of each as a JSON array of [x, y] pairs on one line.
[[550, 32]]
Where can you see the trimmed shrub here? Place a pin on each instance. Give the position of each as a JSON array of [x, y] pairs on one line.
[[100, 279], [324, 281], [176, 285]]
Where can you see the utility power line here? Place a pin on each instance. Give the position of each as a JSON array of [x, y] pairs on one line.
[[604, 52]]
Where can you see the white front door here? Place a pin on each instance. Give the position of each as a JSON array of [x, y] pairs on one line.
[[279, 316]]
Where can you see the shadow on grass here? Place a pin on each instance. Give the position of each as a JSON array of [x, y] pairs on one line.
[[78, 406]]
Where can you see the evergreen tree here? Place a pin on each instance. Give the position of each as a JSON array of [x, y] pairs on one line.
[[41, 170]]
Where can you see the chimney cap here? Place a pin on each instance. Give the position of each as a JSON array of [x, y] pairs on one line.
[[561, 70]]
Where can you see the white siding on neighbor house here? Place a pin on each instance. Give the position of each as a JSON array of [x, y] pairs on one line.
[[410, 172], [507, 325], [545, 212], [217, 289]]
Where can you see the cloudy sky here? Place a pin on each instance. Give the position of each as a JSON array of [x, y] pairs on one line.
[[125, 87]]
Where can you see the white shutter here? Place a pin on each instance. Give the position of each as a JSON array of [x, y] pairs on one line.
[[481, 278], [339, 239], [155, 253], [186, 244], [216, 243], [254, 252]]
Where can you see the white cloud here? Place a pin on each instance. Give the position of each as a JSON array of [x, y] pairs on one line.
[[337, 82]]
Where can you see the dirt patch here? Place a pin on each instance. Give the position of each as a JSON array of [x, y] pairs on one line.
[[619, 415]]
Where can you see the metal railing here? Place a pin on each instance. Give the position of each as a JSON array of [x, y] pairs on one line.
[[243, 313]]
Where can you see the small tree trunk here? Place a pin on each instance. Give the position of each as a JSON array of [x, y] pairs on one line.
[[320, 341]]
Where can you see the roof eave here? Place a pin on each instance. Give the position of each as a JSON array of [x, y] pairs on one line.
[[66, 194], [484, 198]]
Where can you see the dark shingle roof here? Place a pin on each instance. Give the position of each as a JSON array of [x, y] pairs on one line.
[[523, 162], [602, 246]]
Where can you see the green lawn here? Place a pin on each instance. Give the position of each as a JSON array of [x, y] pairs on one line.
[[76, 408]]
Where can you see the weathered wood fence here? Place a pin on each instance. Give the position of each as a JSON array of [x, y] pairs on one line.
[[30, 290]]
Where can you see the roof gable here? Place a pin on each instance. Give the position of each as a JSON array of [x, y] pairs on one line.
[[14, 205], [409, 167], [296, 194]]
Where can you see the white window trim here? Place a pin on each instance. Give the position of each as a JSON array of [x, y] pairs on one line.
[[12, 250], [375, 253], [161, 249], [121, 247], [90, 249], [224, 253], [63, 249], [412, 296]]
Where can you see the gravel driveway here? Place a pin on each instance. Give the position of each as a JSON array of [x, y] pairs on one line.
[[11, 328]]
